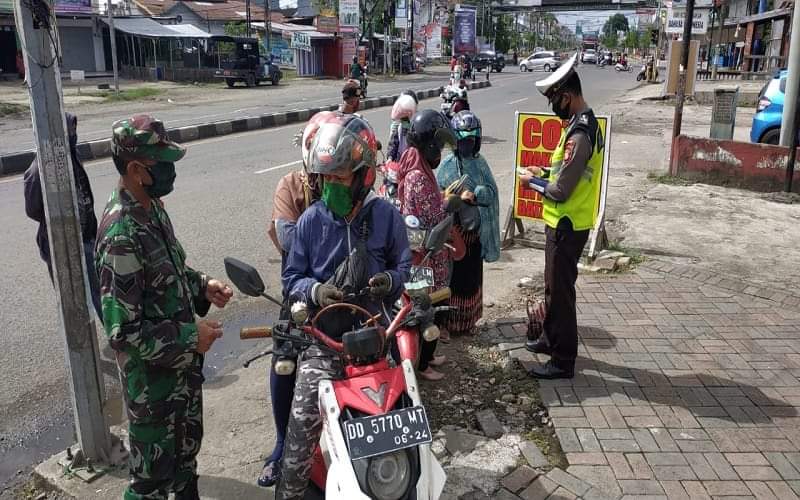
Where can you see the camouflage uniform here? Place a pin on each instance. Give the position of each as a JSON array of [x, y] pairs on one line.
[[150, 298], [305, 422]]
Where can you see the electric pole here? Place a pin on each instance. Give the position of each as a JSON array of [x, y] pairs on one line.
[[682, 77], [792, 81], [247, 17], [268, 26], [36, 27], [113, 37]]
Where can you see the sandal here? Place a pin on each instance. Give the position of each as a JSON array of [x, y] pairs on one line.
[[270, 473], [444, 335], [431, 375], [438, 361]]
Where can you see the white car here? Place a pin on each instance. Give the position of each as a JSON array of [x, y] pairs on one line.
[[589, 56], [547, 61]]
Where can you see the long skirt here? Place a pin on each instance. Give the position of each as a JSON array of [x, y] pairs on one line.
[[466, 286]]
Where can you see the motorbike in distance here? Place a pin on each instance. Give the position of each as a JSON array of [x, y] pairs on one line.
[[376, 436], [622, 67]]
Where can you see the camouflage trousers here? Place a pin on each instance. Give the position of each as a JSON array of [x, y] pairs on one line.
[[164, 445], [305, 422]]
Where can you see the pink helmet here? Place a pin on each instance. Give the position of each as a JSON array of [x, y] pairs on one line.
[[404, 107]]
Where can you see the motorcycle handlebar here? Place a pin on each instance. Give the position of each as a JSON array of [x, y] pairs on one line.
[[257, 332]]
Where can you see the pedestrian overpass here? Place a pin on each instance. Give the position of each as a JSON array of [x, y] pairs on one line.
[[571, 5]]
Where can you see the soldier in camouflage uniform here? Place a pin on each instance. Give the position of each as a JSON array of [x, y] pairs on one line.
[[150, 297]]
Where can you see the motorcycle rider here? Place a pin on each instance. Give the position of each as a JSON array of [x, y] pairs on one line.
[[402, 111], [419, 195], [364, 247], [295, 192], [352, 93], [358, 73]]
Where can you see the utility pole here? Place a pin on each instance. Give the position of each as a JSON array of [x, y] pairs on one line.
[[113, 36], [654, 72], [792, 81], [682, 77], [268, 26], [247, 17], [36, 27]]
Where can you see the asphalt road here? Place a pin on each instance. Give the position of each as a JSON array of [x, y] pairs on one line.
[[220, 208]]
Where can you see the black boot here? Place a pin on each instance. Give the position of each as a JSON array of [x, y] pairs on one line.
[[189, 492], [553, 370], [539, 346]]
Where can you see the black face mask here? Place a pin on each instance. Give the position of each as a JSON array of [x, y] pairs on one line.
[[561, 111], [163, 175]]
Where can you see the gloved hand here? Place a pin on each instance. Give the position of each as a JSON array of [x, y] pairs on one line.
[[325, 295], [380, 285], [453, 203]]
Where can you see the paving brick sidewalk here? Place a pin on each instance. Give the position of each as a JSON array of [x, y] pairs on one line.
[[683, 389]]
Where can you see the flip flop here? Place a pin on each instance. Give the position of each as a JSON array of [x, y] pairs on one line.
[[438, 361]]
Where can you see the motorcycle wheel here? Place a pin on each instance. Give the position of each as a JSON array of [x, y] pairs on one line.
[[251, 80], [639, 78], [275, 79], [230, 82]]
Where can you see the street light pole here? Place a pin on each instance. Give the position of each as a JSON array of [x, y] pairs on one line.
[[36, 25], [654, 72]]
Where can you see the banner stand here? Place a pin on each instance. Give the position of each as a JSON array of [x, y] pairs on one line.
[[534, 142]]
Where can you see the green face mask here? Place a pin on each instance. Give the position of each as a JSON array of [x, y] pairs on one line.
[[337, 198]]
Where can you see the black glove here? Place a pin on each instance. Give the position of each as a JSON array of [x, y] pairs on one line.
[[325, 295], [380, 285]]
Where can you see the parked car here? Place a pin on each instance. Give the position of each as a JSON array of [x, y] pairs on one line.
[[589, 56], [769, 111], [547, 61], [493, 61]]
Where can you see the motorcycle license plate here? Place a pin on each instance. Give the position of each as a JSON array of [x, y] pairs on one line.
[[381, 434], [421, 277]]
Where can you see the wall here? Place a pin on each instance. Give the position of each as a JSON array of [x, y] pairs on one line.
[[759, 167]]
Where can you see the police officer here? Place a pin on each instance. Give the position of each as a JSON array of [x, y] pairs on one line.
[[568, 189], [150, 297]]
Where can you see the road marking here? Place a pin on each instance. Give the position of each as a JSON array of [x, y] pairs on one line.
[[519, 100], [278, 167]]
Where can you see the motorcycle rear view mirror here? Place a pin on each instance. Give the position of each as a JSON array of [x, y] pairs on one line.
[[437, 237], [245, 277]]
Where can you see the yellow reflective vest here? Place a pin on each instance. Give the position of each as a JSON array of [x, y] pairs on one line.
[[582, 205]]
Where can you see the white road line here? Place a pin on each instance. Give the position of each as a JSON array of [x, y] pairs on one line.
[[519, 100], [278, 167]]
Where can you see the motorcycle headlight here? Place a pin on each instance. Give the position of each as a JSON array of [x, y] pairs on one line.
[[416, 238], [299, 312], [284, 367], [431, 333], [389, 476]]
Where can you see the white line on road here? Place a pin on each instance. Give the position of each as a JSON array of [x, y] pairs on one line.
[[519, 100], [278, 167]]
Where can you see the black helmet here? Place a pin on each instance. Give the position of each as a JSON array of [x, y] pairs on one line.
[[355, 59], [411, 93], [430, 131]]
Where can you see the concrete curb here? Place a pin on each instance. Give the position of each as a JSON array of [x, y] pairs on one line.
[[17, 163]]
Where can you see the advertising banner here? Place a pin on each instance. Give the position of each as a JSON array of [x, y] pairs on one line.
[[74, 6], [287, 57], [327, 24], [401, 15], [301, 41], [349, 46], [675, 18], [537, 137], [349, 14], [435, 42], [464, 30]]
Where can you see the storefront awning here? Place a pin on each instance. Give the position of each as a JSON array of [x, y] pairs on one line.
[[142, 26], [293, 28], [764, 16]]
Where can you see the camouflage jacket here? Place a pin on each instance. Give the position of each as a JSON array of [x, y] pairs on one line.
[[149, 294]]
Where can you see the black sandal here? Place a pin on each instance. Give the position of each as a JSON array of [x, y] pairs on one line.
[[270, 473]]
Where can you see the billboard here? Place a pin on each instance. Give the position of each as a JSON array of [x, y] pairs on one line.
[[401, 15], [435, 41], [464, 30], [73, 6], [349, 14], [676, 17]]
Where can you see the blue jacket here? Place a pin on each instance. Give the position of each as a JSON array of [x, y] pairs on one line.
[[322, 241]]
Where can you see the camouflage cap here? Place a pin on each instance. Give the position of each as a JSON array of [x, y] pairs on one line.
[[145, 137]]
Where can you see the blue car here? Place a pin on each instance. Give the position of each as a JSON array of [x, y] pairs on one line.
[[769, 113]]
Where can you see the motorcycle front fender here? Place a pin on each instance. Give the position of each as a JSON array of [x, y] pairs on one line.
[[408, 345]]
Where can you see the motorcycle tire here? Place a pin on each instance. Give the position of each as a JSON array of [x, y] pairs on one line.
[[639, 77]]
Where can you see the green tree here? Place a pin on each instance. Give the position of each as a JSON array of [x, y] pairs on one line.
[[235, 28], [502, 40], [615, 23], [609, 41], [632, 40]]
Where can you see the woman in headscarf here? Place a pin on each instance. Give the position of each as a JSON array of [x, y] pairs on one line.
[[466, 173]]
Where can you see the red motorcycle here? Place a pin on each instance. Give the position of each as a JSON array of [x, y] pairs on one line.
[[376, 436]]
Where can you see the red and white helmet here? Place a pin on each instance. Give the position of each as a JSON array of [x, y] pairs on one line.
[[311, 130], [345, 142], [404, 107]]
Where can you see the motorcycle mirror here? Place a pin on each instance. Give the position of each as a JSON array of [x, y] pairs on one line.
[[437, 236], [245, 277]]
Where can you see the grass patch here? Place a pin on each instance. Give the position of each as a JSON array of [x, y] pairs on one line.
[[635, 255], [139, 94], [8, 109], [668, 179], [545, 439]]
